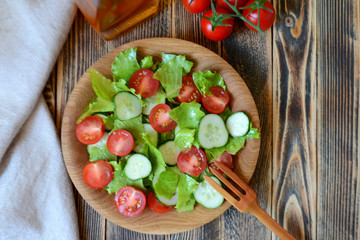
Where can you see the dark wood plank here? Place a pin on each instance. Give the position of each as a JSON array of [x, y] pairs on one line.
[[250, 54], [338, 47], [294, 131]]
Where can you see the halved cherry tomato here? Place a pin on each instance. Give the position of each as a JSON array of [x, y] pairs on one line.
[[156, 206], [90, 130], [144, 83], [160, 119], [267, 17], [192, 162], [120, 143], [98, 174], [224, 5], [196, 6], [130, 201], [217, 102], [225, 158], [220, 32], [189, 91]]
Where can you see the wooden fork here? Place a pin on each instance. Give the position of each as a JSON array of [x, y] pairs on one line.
[[248, 199]]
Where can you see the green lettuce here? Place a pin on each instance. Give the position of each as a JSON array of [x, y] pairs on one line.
[[125, 64], [167, 183], [154, 155], [187, 115], [120, 180], [95, 106], [101, 153], [185, 138], [186, 188], [205, 80], [147, 62], [170, 73], [102, 86]]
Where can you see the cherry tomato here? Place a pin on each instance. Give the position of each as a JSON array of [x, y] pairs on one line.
[[220, 32], [196, 6], [156, 206], [224, 5], [192, 162], [120, 143], [267, 17], [189, 91], [160, 119], [98, 174], [130, 201], [90, 130], [217, 102], [225, 158], [144, 83]]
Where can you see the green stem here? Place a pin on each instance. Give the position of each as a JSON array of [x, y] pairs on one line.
[[239, 15]]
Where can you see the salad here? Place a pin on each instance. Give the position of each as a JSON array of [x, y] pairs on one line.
[[155, 129]]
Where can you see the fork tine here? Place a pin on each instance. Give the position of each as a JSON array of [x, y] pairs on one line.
[[234, 177], [226, 182], [220, 190]]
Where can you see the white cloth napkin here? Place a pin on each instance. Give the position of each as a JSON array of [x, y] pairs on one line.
[[36, 197]]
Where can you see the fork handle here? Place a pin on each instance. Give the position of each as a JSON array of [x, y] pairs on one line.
[[269, 222]]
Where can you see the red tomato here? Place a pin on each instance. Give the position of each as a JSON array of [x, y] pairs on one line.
[[196, 6], [160, 119], [189, 91], [120, 143], [225, 158], [220, 32], [90, 130], [144, 83], [156, 206], [224, 5], [98, 174], [267, 17], [130, 201], [217, 102], [192, 162]]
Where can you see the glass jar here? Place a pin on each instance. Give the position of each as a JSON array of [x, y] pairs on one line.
[[110, 18]]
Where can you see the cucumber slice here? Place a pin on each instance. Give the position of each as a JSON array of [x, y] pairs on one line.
[[158, 97], [212, 132], [153, 135], [138, 166], [162, 199], [238, 124], [169, 152], [207, 196], [127, 105]]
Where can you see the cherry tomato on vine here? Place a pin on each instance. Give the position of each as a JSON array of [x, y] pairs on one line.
[[224, 5], [217, 102], [156, 206], [196, 6], [267, 14], [223, 25], [130, 201], [98, 174]]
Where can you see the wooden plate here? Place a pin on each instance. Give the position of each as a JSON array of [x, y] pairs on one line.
[[76, 156]]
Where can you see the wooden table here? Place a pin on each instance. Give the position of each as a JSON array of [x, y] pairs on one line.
[[304, 76]]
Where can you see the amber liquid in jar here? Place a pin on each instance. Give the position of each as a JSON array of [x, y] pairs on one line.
[[110, 18]]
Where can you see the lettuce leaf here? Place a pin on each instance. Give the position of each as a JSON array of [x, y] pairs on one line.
[[154, 155], [95, 106], [186, 188], [102, 86], [125, 64], [170, 73], [120, 180], [185, 138], [187, 115], [147, 62], [205, 80], [167, 183], [101, 153]]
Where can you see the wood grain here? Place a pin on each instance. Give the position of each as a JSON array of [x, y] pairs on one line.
[[338, 46], [294, 126], [76, 156]]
